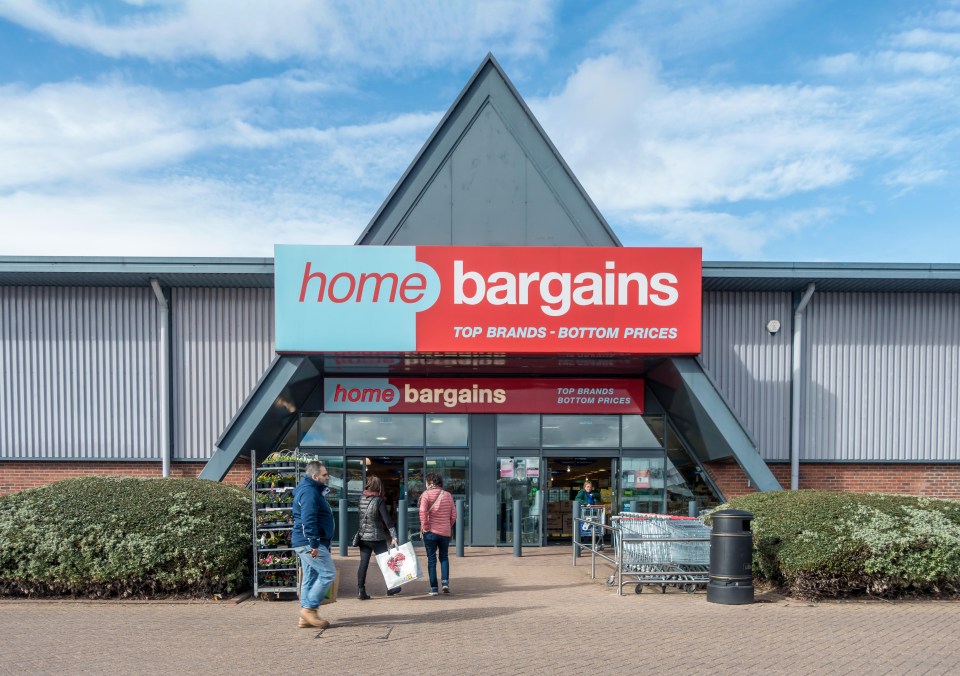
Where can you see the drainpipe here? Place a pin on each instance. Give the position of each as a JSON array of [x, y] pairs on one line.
[[795, 394], [164, 380]]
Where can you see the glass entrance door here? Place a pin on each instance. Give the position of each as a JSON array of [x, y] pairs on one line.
[[391, 470], [566, 475], [518, 478], [412, 490]]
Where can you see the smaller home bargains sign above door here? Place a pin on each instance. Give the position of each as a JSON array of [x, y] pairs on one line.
[[558, 300], [482, 395]]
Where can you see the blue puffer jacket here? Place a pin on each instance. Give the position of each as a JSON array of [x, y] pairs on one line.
[[312, 517]]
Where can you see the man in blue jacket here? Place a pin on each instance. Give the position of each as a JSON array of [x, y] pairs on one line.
[[312, 531]]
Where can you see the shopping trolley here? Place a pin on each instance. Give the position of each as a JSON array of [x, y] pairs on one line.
[[657, 549], [594, 516]]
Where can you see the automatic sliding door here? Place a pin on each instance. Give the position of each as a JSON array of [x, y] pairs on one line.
[[453, 469], [412, 490], [518, 478]]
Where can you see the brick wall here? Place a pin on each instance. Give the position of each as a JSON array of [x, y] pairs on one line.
[[938, 480], [17, 475]]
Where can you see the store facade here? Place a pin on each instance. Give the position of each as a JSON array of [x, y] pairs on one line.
[[452, 337], [501, 408], [839, 376]]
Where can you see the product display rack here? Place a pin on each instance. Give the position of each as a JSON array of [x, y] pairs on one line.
[[275, 563]]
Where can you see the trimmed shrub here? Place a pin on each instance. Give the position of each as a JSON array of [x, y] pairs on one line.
[[125, 537], [819, 544]]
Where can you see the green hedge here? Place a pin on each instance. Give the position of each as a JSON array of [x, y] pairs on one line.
[[125, 537], [819, 544]]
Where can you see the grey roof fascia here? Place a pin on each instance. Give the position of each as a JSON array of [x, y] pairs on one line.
[[258, 272], [832, 270], [135, 271], [832, 277]]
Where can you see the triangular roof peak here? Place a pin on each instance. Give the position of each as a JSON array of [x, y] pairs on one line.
[[489, 175]]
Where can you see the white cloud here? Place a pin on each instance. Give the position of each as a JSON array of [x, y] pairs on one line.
[[744, 237], [78, 132], [889, 63], [650, 146], [922, 38], [125, 170], [670, 27], [59, 131], [176, 218], [371, 33]]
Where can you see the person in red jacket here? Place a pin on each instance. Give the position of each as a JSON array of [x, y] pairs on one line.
[[438, 514]]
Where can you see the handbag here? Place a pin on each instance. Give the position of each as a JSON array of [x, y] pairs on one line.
[[355, 542], [399, 565]]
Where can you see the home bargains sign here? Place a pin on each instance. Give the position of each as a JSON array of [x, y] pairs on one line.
[[482, 395], [346, 299]]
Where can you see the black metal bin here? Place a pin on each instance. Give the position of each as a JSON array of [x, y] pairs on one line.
[[731, 558]]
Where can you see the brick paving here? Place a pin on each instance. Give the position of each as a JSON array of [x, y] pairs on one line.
[[533, 615]]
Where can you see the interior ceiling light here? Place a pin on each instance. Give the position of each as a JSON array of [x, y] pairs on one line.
[[381, 438], [436, 421], [363, 420]]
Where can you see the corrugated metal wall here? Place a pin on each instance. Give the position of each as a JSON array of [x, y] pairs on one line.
[[223, 341], [750, 367], [883, 377], [79, 373]]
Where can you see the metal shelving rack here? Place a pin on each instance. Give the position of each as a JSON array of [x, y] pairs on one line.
[[273, 520]]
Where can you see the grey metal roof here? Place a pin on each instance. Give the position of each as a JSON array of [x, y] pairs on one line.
[[258, 273], [832, 277], [124, 271]]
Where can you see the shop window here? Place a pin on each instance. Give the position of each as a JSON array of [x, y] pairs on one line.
[[642, 482], [518, 431], [686, 482], [292, 438], [643, 431], [372, 431], [581, 431], [447, 430], [325, 429]]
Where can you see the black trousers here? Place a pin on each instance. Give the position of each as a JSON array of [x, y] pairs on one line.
[[366, 549]]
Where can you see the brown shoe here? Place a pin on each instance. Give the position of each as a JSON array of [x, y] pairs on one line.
[[309, 615]]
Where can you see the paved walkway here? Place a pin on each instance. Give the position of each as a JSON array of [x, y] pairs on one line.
[[534, 615]]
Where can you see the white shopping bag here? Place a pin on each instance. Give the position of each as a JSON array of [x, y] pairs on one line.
[[399, 565]]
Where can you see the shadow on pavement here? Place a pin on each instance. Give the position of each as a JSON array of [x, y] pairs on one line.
[[436, 617]]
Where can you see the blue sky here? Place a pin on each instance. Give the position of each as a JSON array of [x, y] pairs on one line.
[[760, 130]]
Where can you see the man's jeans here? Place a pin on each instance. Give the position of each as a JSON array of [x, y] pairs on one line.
[[437, 545], [318, 574]]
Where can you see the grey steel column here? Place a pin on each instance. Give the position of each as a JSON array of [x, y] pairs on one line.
[[402, 522], [575, 536], [343, 526], [517, 536], [692, 508], [459, 528]]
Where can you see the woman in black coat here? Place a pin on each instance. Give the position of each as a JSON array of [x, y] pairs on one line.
[[375, 525]]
